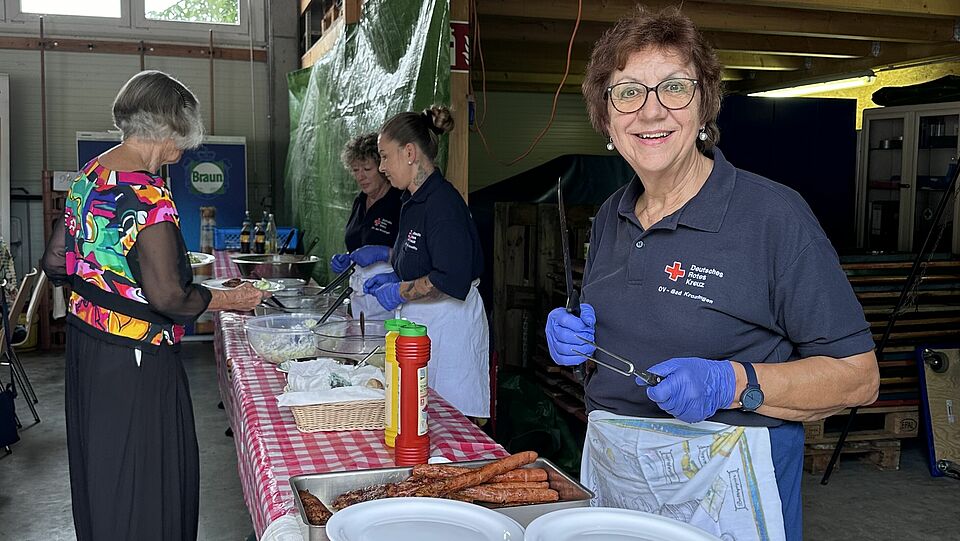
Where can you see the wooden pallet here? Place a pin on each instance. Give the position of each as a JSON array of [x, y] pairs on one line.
[[879, 423], [884, 454]]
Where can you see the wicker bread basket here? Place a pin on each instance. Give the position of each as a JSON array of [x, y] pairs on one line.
[[353, 415]]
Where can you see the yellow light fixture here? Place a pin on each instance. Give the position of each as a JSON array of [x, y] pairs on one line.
[[817, 87]]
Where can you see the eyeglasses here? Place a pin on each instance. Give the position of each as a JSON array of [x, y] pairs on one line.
[[673, 94]]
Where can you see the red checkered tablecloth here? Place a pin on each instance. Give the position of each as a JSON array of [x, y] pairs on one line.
[[270, 449]]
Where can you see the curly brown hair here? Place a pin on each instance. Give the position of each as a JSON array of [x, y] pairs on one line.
[[668, 29], [360, 148]]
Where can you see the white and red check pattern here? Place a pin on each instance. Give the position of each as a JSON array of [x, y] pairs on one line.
[[270, 449]]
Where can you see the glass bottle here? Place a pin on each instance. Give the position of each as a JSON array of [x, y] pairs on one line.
[[270, 235], [259, 238], [245, 234]]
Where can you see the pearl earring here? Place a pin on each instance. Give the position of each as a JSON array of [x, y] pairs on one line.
[[409, 163], [610, 146], [703, 134]]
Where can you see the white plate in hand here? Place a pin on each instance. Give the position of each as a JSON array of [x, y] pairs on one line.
[[263, 285], [607, 524], [199, 259], [421, 519]]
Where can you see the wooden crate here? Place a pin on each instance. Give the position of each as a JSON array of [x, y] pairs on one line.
[[869, 424], [884, 454]]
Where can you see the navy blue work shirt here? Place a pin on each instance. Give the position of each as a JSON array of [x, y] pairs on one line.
[[376, 225], [743, 271], [438, 238]]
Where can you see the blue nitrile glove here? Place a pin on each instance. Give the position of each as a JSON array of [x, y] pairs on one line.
[[370, 254], [340, 262], [388, 295], [374, 282], [565, 332], [693, 389]]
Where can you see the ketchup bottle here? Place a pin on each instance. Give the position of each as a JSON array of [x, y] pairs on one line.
[[391, 371], [413, 353]]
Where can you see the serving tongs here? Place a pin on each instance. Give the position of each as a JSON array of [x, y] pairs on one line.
[[343, 276], [629, 369], [336, 304], [573, 296]]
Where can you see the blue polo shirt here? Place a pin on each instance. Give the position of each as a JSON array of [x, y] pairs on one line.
[[437, 238], [742, 271], [376, 225]]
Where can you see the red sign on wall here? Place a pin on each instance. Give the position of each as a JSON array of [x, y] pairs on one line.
[[459, 46]]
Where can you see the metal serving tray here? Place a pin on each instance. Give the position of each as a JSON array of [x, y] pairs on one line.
[[327, 486]]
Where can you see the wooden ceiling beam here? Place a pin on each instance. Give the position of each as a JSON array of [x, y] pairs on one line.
[[555, 31], [930, 8], [552, 58], [891, 56], [789, 45], [760, 62], [743, 18]]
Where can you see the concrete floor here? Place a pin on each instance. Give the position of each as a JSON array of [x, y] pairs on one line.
[[859, 503], [35, 485]]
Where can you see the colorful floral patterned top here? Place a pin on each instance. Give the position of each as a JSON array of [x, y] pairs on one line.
[[104, 214]]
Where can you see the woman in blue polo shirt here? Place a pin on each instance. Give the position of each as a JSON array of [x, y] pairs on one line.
[[373, 219], [437, 261], [718, 279]]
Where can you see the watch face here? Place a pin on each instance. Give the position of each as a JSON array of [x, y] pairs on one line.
[[752, 399]]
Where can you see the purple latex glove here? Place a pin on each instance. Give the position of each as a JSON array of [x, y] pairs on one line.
[[566, 332], [693, 389], [370, 254], [388, 295], [374, 282], [339, 262]]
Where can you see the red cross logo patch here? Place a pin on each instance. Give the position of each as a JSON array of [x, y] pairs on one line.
[[675, 271]]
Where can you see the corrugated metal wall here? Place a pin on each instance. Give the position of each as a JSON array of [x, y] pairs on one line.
[[513, 120], [80, 91]]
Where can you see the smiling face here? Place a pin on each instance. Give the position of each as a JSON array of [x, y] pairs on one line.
[[367, 176], [393, 162], [655, 140]]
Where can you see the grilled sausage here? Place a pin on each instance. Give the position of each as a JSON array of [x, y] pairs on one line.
[[317, 513], [519, 475], [476, 477], [508, 496]]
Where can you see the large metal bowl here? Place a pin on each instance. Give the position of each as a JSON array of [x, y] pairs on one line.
[[276, 266]]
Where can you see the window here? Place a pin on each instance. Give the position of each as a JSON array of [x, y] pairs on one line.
[[86, 8], [194, 11], [233, 22]]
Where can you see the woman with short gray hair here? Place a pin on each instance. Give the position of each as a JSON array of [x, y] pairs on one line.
[[131, 442]]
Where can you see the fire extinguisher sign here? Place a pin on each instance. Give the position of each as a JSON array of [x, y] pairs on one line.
[[459, 46]]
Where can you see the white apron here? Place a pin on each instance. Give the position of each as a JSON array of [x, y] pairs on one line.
[[459, 368], [361, 302], [716, 477]]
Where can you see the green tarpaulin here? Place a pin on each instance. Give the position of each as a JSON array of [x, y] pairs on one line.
[[397, 58]]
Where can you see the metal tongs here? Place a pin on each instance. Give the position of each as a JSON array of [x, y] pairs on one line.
[[573, 296], [333, 308], [649, 378], [346, 274]]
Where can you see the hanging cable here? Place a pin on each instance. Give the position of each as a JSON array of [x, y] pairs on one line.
[[556, 96]]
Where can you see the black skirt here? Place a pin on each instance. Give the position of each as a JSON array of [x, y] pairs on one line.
[[134, 462]]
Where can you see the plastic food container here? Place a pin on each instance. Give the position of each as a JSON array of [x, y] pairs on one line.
[[281, 337], [344, 339]]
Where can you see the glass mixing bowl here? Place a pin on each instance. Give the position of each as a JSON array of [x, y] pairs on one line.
[[344, 339]]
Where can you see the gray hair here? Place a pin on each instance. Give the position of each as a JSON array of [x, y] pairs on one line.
[[154, 106]]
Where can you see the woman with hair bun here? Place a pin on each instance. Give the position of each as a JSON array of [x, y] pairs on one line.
[[436, 259]]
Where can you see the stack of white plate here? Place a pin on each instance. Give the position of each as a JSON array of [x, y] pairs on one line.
[[432, 519], [421, 519], [607, 524]]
